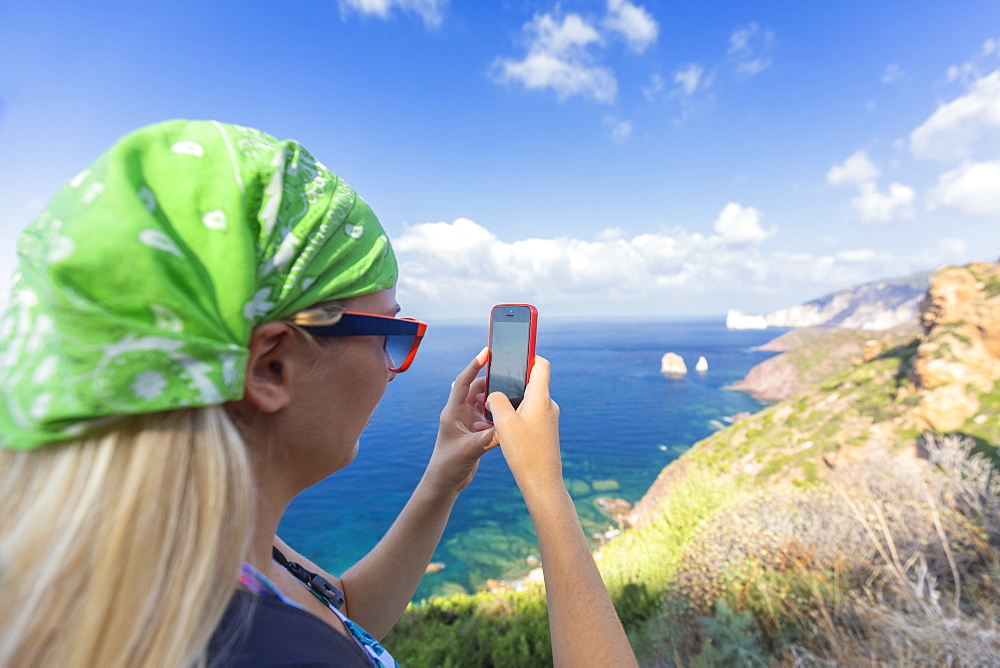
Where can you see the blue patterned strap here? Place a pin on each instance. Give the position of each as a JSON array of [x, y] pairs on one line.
[[333, 598]]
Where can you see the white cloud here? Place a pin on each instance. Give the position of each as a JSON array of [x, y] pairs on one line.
[[632, 22], [620, 130], [429, 10], [558, 59], [543, 70], [968, 124], [972, 69], [740, 39], [738, 224], [748, 68], [893, 73], [656, 85], [464, 262], [872, 206], [749, 49], [856, 170], [972, 190], [689, 78], [859, 256], [562, 38], [453, 269], [563, 51]]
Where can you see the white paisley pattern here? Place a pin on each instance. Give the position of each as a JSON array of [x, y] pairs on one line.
[[133, 296]]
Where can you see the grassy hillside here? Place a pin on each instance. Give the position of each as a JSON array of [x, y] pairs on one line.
[[820, 529]]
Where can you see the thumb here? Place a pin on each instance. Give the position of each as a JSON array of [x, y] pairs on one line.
[[499, 405]]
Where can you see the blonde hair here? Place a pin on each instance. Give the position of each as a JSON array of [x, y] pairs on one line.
[[123, 548]]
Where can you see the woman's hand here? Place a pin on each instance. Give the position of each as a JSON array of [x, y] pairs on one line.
[[529, 436], [584, 626], [463, 434]]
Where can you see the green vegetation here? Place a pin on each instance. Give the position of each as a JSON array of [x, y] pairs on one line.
[[992, 282], [807, 533], [993, 286], [484, 629]]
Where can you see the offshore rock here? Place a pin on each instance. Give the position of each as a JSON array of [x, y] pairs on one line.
[[740, 320], [702, 364], [673, 364]]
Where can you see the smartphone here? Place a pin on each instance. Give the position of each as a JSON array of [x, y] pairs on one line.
[[512, 350]]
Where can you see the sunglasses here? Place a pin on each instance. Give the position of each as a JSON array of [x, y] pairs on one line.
[[402, 335]]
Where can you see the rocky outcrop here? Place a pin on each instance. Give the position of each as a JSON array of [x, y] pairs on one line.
[[673, 364], [853, 417], [871, 306], [811, 355], [960, 345], [771, 380], [958, 330], [644, 512], [872, 349], [739, 320]]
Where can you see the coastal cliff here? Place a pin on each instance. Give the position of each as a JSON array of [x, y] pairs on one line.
[[813, 354], [959, 351], [871, 306], [862, 510]]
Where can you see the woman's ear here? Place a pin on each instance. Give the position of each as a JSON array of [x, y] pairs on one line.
[[267, 386]]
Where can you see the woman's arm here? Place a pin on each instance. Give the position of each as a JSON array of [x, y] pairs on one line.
[[378, 588], [585, 628]]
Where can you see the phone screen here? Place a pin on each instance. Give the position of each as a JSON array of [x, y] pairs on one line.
[[510, 341]]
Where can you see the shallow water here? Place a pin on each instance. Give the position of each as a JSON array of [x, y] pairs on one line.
[[621, 423]]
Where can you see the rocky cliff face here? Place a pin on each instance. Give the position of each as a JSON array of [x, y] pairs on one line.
[[810, 355], [960, 345], [871, 306], [847, 395], [958, 336]]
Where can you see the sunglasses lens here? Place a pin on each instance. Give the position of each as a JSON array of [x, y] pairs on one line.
[[398, 347]]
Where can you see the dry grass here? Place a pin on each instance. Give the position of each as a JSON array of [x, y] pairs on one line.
[[892, 561]]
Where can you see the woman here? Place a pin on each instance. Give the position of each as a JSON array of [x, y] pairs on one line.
[[201, 326]]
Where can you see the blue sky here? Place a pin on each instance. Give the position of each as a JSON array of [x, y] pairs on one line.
[[623, 157]]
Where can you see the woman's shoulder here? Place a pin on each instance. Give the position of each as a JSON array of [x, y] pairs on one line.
[[292, 555], [264, 631]]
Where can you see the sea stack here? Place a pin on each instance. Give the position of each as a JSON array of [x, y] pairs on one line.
[[702, 364], [673, 364]]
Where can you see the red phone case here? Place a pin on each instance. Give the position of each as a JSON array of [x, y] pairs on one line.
[[532, 327]]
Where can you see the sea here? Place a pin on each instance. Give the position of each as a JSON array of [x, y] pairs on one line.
[[621, 422]]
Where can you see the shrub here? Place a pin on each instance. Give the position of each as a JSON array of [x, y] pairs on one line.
[[485, 629]]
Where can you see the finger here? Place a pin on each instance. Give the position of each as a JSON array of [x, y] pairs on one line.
[[460, 387], [477, 391], [499, 405], [492, 443], [538, 384]]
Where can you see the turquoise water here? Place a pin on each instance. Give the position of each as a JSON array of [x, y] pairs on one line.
[[621, 423]]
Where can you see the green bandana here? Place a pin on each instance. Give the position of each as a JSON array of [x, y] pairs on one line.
[[138, 287]]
